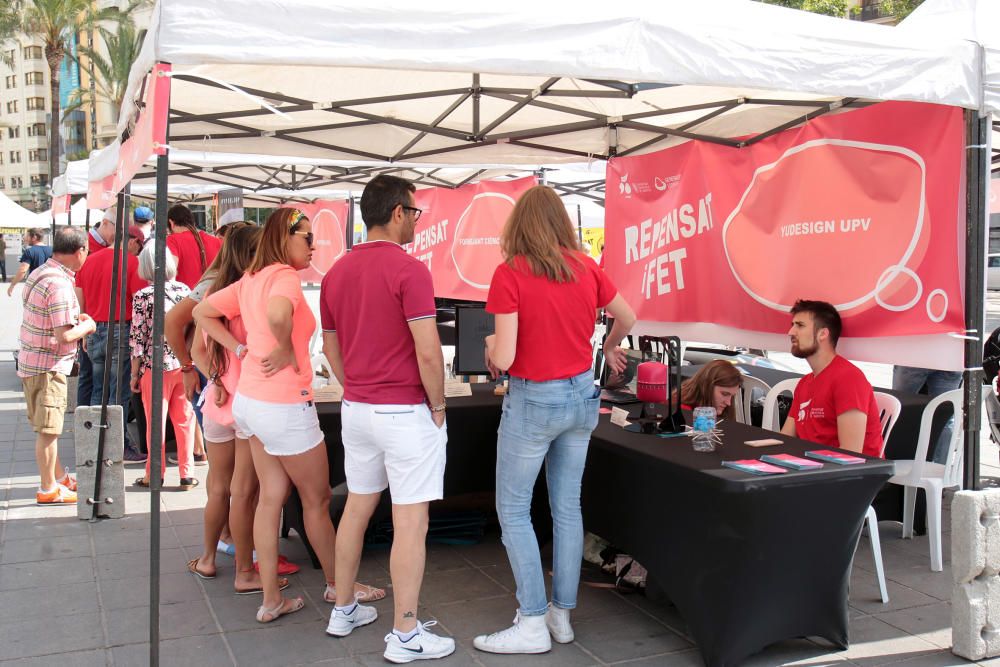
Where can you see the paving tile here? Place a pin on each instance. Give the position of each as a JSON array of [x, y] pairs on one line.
[[626, 636], [488, 552], [940, 659], [133, 540], [371, 638], [865, 597], [796, 652], [57, 599], [282, 643], [204, 651], [455, 585], [134, 591], [136, 563], [185, 619], [931, 623], [239, 612], [462, 657], [95, 658], [467, 619], [51, 527], [875, 642], [688, 658], [44, 573], [20, 638]]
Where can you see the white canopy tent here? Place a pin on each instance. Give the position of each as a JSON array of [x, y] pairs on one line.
[[77, 215], [13, 215]]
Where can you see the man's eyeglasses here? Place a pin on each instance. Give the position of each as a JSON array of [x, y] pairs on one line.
[[417, 212], [309, 237]]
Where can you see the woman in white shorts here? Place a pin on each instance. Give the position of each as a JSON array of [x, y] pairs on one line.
[[273, 403]]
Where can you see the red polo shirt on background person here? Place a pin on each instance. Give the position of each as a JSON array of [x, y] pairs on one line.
[[94, 281]]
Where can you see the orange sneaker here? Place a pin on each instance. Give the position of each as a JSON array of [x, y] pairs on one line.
[[58, 496], [67, 480]]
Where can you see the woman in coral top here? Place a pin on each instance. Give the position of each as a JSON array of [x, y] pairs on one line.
[[273, 403], [545, 298]]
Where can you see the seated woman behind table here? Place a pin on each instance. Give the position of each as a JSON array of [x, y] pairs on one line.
[[716, 384]]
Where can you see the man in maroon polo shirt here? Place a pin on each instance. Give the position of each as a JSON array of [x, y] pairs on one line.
[[380, 336], [94, 290]]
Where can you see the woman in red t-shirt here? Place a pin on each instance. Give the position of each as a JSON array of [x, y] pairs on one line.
[[545, 298], [193, 248]]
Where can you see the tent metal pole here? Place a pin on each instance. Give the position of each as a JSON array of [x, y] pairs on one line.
[[349, 231], [977, 179], [579, 223], [86, 219]]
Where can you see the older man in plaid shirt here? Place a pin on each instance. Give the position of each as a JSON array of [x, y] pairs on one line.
[[50, 330]]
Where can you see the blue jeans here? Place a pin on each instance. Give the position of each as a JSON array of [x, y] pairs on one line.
[[548, 422], [85, 380], [909, 379], [119, 392]]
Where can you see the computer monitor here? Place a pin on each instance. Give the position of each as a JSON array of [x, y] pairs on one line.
[[472, 325]]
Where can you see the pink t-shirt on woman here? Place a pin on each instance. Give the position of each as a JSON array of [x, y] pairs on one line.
[[223, 414], [247, 298]]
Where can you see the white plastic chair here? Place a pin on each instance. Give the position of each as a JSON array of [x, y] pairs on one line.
[[752, 387], [888, 413], [933, 478], [319, 361], [770, 419]]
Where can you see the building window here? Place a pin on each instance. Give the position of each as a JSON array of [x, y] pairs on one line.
[[14, 132], [15, 157], [2, 186], [12, 106], [32, 53], [1, 158], [9, 55], [16, 182], [39, 181], [38, 155], [36, 130], [11, 81], [34, 78], [36, 104]]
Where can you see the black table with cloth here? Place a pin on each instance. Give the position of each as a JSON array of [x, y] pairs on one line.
[[748, 560]]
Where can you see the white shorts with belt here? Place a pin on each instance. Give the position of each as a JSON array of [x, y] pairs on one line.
[[285, 429], [394, 446]]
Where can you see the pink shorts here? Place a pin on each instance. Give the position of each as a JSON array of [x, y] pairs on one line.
[[217, 433]]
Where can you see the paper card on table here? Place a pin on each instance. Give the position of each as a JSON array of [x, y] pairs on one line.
[[456, 389], [789, 461], [835, 457], [619, 417], [754, 466], [328, 394], [766, 442]]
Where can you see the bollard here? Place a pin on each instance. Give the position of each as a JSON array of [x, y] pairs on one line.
[[110, 499], [975, 562]]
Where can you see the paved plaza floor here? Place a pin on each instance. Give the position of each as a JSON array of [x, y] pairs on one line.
[[75, 593]]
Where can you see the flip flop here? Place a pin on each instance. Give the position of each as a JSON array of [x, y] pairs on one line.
[[370, 594], [279, 611], [143, 483], [193, 569], [282, 585]]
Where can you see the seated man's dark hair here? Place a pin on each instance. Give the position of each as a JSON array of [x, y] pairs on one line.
[[383, 194], [824, 315]]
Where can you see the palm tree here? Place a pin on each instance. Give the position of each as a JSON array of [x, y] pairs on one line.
[[54, 22], [110, 72]]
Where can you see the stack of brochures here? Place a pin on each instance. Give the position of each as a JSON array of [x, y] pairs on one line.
[[755, 467], [835, 457], [789, 461]]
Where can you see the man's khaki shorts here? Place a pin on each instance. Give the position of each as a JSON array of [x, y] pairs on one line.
[[46, 397]]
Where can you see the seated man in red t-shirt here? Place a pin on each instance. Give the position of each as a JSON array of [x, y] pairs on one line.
[[834, 405]]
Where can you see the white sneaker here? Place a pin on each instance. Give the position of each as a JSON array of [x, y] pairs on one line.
[[422, 646], [342, 624], [557, 621], [528, 635]]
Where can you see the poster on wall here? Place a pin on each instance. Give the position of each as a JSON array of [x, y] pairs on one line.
[[458, 234], [329, 220], [861, 209]]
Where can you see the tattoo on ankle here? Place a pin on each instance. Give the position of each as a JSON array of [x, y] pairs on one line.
[[408, 614]]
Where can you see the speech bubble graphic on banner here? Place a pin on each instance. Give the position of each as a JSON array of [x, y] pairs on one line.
[[475, 248], [329, 244], [836, 220]]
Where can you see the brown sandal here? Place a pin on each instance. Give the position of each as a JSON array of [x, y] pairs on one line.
[[282, 609], [193, 569], [282, 585]]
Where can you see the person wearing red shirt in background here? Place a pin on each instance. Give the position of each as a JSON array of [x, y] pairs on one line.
[[834, 405], [545, 298], [193, 248], [102, 235], [94, 290]]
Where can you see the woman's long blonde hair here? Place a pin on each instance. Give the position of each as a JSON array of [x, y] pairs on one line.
[[540, 231]]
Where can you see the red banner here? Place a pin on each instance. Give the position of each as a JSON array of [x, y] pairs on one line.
[[458, 234], [328, 218], [861, 209], [60, 204]]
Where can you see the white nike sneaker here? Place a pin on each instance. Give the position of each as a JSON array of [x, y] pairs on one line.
[[424, 645], [342, 624], [557, 620], [529, 634]]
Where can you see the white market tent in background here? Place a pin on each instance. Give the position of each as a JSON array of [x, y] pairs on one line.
[[76, 217], [13, 215]]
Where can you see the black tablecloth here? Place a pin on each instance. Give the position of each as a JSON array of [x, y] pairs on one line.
[[748, 560]]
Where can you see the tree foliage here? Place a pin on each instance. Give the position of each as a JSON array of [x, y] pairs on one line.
[[828, 7], [110, 71]]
